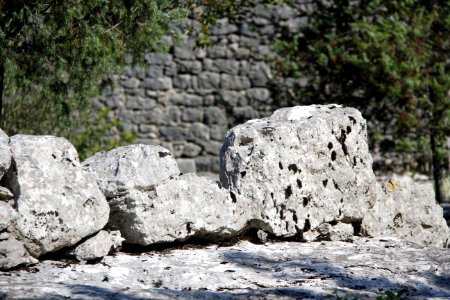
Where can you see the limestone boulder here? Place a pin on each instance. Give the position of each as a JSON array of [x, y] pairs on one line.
[[183, 207], [13, 253], [57, 202], [299, 169], [408, 210], [131, 167], [98, 245], [5, 153]]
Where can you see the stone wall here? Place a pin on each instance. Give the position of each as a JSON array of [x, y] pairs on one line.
[[186, 100]]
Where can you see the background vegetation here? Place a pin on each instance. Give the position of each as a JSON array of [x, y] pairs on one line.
[[54, 55], [390, 59]]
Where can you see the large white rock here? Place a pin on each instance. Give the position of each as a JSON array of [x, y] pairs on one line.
[[175, 210], [408, 210], [300, 168], [57, 202], [131, 167], [151, 204], [5, 153]]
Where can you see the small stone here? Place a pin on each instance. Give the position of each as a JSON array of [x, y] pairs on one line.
[[160, 83], [187, 99], [98, 246], [262, 236], [5, 194], [208, 80], [231, 82]]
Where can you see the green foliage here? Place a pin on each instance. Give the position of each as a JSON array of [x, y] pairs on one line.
[[391, 59], [53, 55]]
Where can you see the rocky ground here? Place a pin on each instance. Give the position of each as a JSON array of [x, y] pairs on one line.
[[365, 268]]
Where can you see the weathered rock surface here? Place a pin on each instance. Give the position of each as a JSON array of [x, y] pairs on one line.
[[98, 246], [299, 169], [408, 210], [5, 153], [150, 203], [5, 194], [13, 253], [57, 202], [7, 214], [366, 268], [131, 167]]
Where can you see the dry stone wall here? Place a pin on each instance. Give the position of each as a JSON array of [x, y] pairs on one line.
[[186, 100]]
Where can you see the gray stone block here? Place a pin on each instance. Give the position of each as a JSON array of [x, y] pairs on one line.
[[212, 147], [160, 83], [217, 52], [231, 82], [233, 98], [186, 99], [174, 133], [217, 132], [208, 80], [258, 94], [207, 164], [198, 132], [155, 71], [131, 83], [136, 102], [182, 82], [223, 27], [215, 115], [192, 115], [186, 165], [191, 150], [158, 59], [184, 52], [190, 67]]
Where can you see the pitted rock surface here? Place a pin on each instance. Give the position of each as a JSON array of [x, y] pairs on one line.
[[150, 203], [175, 210], [365, 269], [408, 210], [131, 167], [301, 168], [57, 203]]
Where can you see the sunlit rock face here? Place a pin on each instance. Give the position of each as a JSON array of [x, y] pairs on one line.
[[301, 168]]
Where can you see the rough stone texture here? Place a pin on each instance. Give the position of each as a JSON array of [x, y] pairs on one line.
[[364, 269], [57, 202], [175, 210], [13, 253], [235, 78], [408, 210], [131, 167], [5, 153], [98, 246], [299, 169], [5, 194], [7, 215]]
